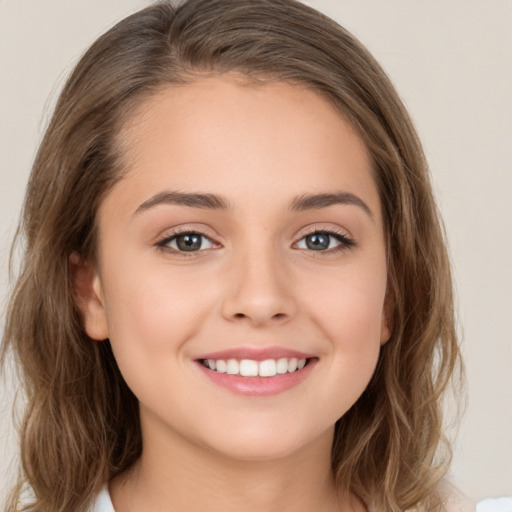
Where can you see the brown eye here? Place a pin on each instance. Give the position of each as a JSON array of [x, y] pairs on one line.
[[190, 242]]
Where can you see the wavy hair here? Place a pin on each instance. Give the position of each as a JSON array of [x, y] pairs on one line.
[[81, 424]]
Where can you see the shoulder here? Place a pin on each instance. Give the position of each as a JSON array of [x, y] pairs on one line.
[[102, 503], [458, 504], [459, 507], [454, 499]]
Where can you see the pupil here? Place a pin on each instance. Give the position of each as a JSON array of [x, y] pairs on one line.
[[189, 242], [317, 242]]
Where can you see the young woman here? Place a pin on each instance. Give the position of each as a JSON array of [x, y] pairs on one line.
[[235, 292]]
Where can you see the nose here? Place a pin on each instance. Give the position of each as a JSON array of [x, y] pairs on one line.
[[260, 291]]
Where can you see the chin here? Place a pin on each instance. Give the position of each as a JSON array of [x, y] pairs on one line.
[[261, 452], [262, 444]]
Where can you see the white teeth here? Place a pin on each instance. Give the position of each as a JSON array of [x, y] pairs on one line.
[[267, 368], [222, 366], [233, 367], [251, 368], [282, 365], [248, 368]]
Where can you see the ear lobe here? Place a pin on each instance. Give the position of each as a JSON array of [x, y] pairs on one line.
[[89, 297], [387, 318]]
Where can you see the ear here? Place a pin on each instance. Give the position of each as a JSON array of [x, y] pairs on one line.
[[89, 297], [387, 317]]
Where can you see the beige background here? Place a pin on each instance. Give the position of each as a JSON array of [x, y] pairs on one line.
[[451, 60]]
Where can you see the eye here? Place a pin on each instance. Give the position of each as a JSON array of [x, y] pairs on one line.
[[324, 241], [187, 242]]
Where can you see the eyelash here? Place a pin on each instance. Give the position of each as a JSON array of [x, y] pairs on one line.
[[345, 242], [163, 244]]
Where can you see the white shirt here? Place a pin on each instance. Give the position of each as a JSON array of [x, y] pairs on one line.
[[495, 505], [103, 502]]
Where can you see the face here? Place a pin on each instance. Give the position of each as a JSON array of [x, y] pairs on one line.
[[246, 236]]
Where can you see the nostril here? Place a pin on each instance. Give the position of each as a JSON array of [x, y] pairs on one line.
[[277, 316]]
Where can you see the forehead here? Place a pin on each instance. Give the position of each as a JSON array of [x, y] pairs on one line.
[[224, 134]]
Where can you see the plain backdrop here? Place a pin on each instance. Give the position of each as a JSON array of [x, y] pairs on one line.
[[451, 61]]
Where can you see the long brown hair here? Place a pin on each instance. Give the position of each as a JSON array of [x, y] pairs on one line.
[[81, 424]]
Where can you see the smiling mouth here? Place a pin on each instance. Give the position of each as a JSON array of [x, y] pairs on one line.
[[253, 368]]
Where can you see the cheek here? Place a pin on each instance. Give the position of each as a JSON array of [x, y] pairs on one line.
[[349, 304], [152, 314], [350, 317]]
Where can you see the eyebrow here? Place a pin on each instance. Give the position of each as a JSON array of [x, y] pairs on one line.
[[317, 201], [193, 200], [215, 202]]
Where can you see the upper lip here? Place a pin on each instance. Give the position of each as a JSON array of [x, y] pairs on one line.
[[256, 353]]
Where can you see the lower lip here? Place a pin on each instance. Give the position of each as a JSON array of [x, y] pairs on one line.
[[259, 386]]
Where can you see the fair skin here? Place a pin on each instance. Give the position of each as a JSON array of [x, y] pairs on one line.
[[287, 261]]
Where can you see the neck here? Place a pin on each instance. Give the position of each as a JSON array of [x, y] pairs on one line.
[[175, 474]]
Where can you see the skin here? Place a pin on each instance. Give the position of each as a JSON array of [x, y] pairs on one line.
[[255, 284]]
